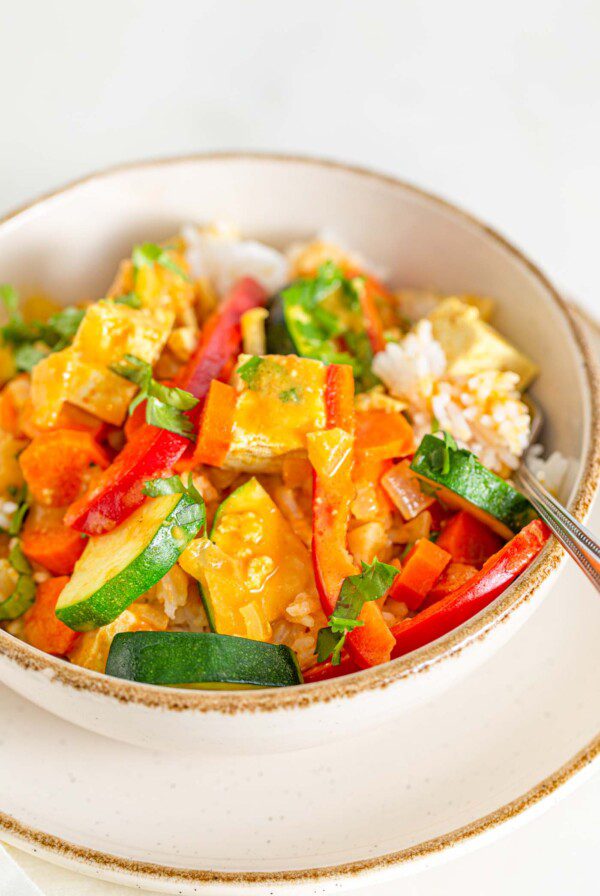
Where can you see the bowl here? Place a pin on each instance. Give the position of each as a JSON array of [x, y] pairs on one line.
[[69, 242]]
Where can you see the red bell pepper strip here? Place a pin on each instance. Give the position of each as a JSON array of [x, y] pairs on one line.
[[368, 289], [469, 540], [331, 454], [420, 571], [453, 577], [496, 574], [339, 397], [152, 451], [325, 671]]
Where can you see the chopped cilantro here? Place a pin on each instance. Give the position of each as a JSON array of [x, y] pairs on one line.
[[149, 254], [289, 395], [172, 485], [165, 405], [131, 299], [370, 584], [249, 371]]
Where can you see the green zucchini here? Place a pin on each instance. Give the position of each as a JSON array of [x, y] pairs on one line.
[[201, 660], [460, 481], [20, 600], [117, 568]]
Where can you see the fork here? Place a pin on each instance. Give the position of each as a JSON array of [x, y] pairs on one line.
[[575, 538]]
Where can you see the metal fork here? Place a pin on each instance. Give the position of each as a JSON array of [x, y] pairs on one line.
[[575, 538]]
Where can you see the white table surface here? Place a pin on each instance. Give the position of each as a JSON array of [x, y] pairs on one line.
[[495, 106]]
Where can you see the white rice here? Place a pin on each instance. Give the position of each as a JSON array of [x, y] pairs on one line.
[[219, 254], [555, 472], [483, 412]]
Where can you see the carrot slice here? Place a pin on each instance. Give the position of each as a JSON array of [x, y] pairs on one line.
[[55, 462], [216, 425], [381, 435], [42, 629], [422, 568], [45, 539]]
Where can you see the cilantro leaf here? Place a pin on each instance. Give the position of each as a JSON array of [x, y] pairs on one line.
[[440, 457], [149, 254], [249, 371], [131, 299], [164, 404], [370, 584], [27, 356], [10, 299], [289, 395], [172, 485]]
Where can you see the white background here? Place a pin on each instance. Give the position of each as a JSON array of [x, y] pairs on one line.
[[494, 105]]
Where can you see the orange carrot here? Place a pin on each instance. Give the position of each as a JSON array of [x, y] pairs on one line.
[[381, 435], [55, 463], [421, 569], [216, 423], [468, 540], [42, 629], [45, 539]]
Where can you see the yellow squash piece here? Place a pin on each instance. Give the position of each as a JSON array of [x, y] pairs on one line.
[[252, 567], [472, 346], [92, 647]]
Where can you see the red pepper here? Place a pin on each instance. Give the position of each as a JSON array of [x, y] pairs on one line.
[[325, 671], [339, 397], [152, 451], [453, 577], [331, 455], [468, 540], [368, 290], [497, 573]]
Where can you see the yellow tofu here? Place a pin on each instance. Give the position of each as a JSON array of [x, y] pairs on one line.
[[283, 402], [108, 331], [471, 345], [91, 649], [99, 391], [417, 303]]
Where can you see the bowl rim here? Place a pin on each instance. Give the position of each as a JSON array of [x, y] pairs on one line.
[[403, 668]]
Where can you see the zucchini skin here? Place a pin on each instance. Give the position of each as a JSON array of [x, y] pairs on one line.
[[196, 658], [155, 560], [477, 485], [279, 341]]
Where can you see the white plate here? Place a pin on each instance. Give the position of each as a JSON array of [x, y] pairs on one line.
[[478, 759]]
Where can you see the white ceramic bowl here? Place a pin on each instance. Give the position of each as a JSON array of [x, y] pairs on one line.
[[69, 243]]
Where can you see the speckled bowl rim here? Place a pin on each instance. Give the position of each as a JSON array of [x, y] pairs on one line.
[[416, 663]]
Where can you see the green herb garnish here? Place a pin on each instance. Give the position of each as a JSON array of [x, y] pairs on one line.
[[131, 299], [32, 341], [325, 314], [149, 254], [289, 395], [370, 584], [165, 405], [250, 370], [440, 457]]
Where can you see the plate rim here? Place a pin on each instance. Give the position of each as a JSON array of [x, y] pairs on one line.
[[417, 662], [135, 872]]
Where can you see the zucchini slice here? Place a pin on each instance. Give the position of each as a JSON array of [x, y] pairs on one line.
[[201, 660], [117, 568], [252, 567], [467, 485]]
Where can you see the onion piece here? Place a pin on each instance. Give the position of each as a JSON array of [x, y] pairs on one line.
[[404, 490]]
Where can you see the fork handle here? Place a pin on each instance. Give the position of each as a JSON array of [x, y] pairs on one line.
[[575, 538]]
